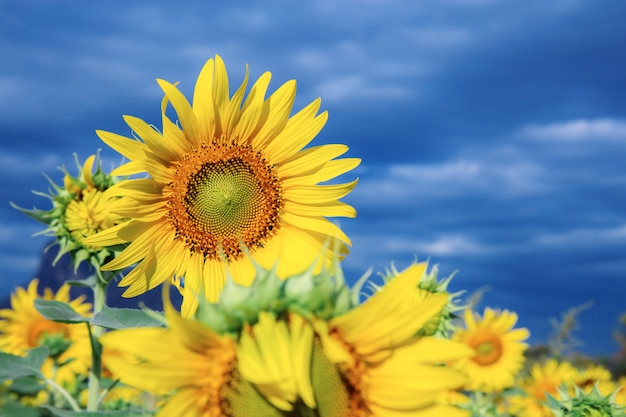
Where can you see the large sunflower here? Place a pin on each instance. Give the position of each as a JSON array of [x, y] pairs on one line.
[[231, 176], [22, 328], [498, 349], [307, 352]]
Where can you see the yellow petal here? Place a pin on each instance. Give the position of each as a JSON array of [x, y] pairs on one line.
[[279, 107], [203, 105], [185, 113], [316, 194], [131, 149]]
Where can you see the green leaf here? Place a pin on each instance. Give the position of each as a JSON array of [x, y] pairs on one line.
[[59, 311], [67, 413], [90, 282], [28, 385], [12, 408], [123, 318], [14, 367]]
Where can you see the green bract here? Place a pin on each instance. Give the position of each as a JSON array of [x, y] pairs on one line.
[[323, 295], [593, 404]]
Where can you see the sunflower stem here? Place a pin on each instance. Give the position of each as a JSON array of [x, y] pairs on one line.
[[99, 298], [66, 395]]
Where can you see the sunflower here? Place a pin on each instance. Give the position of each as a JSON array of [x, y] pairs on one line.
[[442, 324], [499, 349], [543, 379], [79, 209], [22, 328], [232, 176], [593, 375], [338, 359]]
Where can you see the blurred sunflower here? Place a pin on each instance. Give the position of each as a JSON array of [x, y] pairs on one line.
[[593, 375], [23, 328], [544, 379], [499, 349], [232, 175], [79, 209], [290, 359]]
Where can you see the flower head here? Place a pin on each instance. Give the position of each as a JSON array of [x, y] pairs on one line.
[[231, 176], [79, 209], [498, 349], [295, 356], [22, 328], [442, 324], [544, 379]]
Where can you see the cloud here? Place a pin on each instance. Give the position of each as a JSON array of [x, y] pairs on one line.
[[354, 87], [583, 237], [577, 130], [441, 246], [455, 178]]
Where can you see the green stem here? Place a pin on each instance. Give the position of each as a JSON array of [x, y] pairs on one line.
[[71, 401], [99, 296]]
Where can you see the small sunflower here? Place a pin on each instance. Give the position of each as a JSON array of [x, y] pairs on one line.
[[499, 349], [595, 376], [442, 324], [79, 209], [232, 174], [285, 347], [544, 379], [22, 328]]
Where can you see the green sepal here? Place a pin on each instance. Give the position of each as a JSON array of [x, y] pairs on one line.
[[324, 295], [583, 404]]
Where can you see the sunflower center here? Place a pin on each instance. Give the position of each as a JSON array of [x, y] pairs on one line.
[[224, 195], [488, 349], [222, 198], [41, 328]]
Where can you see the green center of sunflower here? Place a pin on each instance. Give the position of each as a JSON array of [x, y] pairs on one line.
[[224, 195], [223, 198]]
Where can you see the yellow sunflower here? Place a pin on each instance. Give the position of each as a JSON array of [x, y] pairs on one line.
[[232, 174], [366, 361], [594, 376], [79, 209], [499, 349], [23, 328], [543, 379]]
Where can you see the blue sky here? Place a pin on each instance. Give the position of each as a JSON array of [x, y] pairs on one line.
[[492, 132]]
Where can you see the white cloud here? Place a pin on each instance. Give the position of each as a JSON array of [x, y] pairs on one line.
[[353, 87], [444, 245], [577, 130], [583, 237], [401, 183]]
